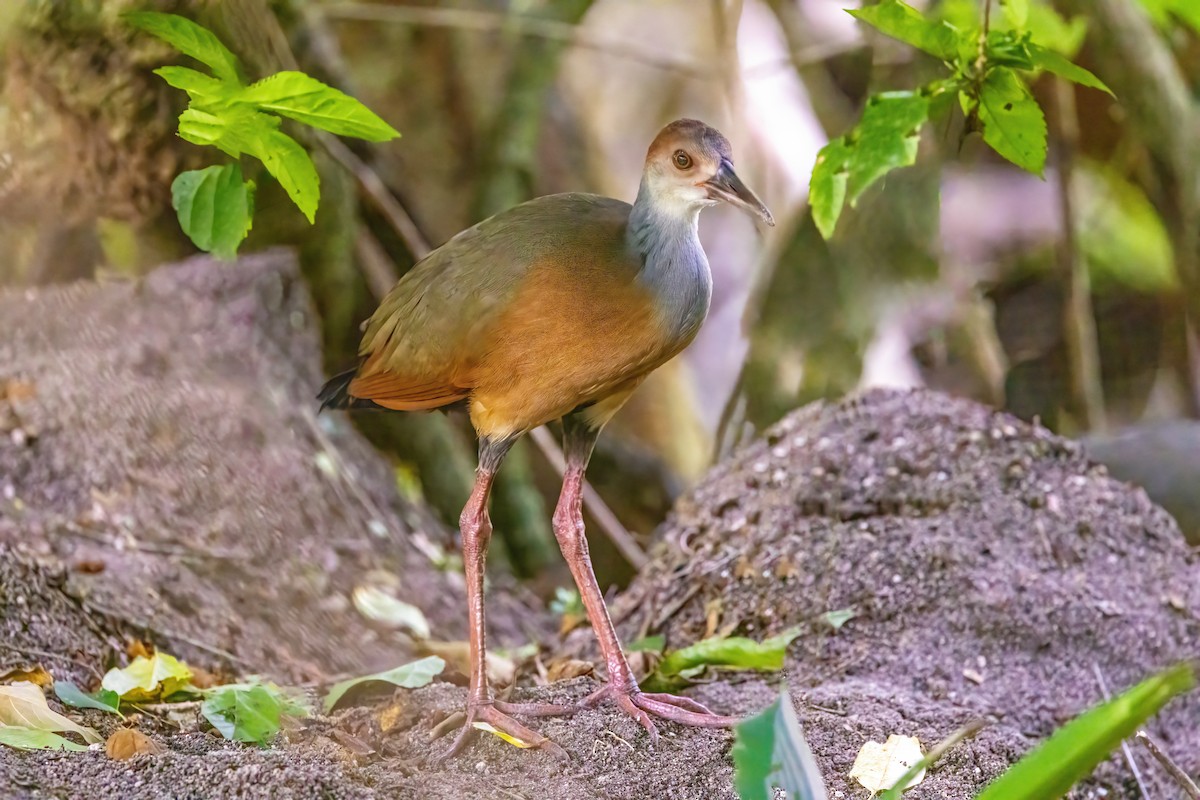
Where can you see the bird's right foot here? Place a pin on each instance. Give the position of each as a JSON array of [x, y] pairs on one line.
[[486, 717]]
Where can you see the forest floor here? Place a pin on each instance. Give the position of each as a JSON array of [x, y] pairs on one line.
[[163, 478]]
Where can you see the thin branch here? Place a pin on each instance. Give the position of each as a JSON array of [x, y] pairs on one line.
[[1079, 320], [1186, 783], [1125, 748], [605, 518], [490, 21], [379, 195], [378, 268]]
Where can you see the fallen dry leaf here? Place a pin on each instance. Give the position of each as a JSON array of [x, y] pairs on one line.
[[563, 669], [879, 766], [390, 717], [508, 737], [24, 705], [125, 743], [31, 673], [137, 647], [17, 390], [501, 671]]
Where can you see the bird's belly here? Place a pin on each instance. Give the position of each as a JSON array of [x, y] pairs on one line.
[[566, 352]]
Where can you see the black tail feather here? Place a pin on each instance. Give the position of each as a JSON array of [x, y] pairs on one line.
[[336, 391]]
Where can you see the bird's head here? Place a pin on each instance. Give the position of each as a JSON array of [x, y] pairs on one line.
[[690, 165]]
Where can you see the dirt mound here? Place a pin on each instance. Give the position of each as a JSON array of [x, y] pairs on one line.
[[159, 446], [992, 569]]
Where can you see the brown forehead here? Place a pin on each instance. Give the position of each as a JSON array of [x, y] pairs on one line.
[[693, 136]]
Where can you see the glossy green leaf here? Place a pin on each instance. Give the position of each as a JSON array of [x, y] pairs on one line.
[[1061, 66], [25, 738], [215, 207], [1017, 12], [1009, 49], [291, 165], [770, 752], [200, 87], [190, 39], [827, 187], [307, 100], [152, 678], [72, 695], [647, 644], [901, 21], [1013, 124], [408, 676], [1074, 750], [732, 652], [250, 712], [886, 138]]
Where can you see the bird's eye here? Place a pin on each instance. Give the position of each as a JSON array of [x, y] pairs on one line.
[[682, 159]]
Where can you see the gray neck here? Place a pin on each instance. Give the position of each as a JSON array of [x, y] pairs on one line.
[[674, 267]]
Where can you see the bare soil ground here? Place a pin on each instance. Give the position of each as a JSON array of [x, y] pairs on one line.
[[161, 476]]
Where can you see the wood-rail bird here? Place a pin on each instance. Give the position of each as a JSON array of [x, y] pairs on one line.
[[554, 309]]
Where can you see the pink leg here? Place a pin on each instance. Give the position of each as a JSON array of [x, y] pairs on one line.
[[476, 530], [569, 530]]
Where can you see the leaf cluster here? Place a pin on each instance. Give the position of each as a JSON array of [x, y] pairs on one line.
[[216, 205], [987, 71]]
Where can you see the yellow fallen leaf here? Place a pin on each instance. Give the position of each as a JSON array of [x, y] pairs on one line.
[[508, 737], [879, 766], [125, 743], [24, 705], [34, 673], [146, 679]]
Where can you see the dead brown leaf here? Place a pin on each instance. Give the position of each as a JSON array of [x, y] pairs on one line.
[[712, 616], [389, 718], [137, 647], [563, 669], [570, 622], [125, 743], [15, 390], [33, 673], [501, 671]]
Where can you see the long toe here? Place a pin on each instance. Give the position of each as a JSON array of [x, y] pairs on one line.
[[678, 712], [537, 709], [502, 723], [685, 703], [626, 703]]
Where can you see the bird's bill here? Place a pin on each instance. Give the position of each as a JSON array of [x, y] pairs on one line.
[[727, 186]]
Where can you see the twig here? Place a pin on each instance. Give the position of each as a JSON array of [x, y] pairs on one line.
[[379, 195], [378, 268], [605, 518], [489, 21], [1125, 748], [1185, 782], [162, 633], [166, 708], [1079, 321], [34, 653]]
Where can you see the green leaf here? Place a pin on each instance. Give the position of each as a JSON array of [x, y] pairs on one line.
[[827, 187], [288, 162], [733, 652], [886, 138], [307, 100], [1017, 12], [1009, 49], [901, 21], [72, 695], [770, 752], [1075, 749], [408, 676], [22, 704], [199, 86], [215, 207], [250, 712], [1059, 65], [1012, 120], [24, 738], [836, 619], [190, 39], [148, 679], [647, 644]]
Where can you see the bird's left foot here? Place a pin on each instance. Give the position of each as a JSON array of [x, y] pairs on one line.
[[637, 704]]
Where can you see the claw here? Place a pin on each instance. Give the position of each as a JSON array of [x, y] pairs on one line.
[[498, 719], [627, 704]]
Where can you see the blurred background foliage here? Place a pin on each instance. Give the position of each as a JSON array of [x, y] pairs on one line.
[[1065, 299]]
